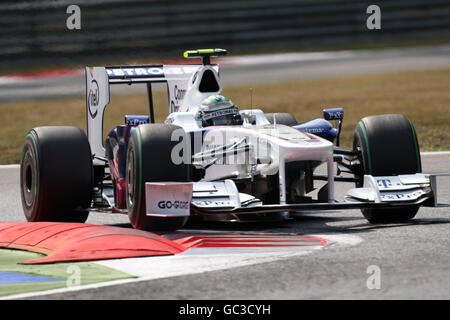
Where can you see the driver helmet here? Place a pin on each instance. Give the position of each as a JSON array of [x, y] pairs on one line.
[[217, 110]]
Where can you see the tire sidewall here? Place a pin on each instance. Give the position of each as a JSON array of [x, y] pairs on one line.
[[59, 160], [368, 158], [29, 165], [148, 160], [134, 197]]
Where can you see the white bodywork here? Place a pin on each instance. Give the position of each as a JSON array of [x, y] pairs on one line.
[[391, 189], [184, 82], [255, 148]]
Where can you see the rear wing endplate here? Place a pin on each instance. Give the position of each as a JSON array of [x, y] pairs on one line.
[[98, 80]]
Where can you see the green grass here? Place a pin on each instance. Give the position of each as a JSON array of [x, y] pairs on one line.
[[88, 272], [423, 96]]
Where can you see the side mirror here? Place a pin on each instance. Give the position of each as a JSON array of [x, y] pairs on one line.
[[333, 114], [336, 114]]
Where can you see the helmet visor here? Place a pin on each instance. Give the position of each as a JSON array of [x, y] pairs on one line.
[[220, 117]]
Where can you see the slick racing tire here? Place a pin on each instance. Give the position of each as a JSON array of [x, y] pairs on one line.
[[149, 159], [282, 118], [389, 146], [56, 175]]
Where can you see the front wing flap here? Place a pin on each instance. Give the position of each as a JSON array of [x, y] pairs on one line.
[[393, 192], [220, 200]]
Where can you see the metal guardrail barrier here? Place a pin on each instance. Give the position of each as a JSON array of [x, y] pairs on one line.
[[36, 30]]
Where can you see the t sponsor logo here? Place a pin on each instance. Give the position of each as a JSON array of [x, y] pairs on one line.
[[384, 183]]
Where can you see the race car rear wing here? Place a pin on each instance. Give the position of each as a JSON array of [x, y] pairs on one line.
[[187, 85], [98, 80], [149, 74]]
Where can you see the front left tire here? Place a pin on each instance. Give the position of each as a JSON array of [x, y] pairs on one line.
[[149, 159]]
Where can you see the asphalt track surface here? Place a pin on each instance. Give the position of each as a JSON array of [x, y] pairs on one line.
[[412, 257], [242, 70]]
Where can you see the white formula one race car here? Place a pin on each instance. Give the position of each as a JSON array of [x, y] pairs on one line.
[[214, 161]]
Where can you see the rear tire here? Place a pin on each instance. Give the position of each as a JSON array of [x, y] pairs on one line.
[[149, 160], [56, 175], [389, 146], [282, 118]]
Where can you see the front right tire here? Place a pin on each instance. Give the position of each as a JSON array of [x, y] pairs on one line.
[[388, 146], [282, 118]]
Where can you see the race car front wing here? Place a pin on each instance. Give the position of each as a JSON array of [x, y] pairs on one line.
[[221, 200]]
